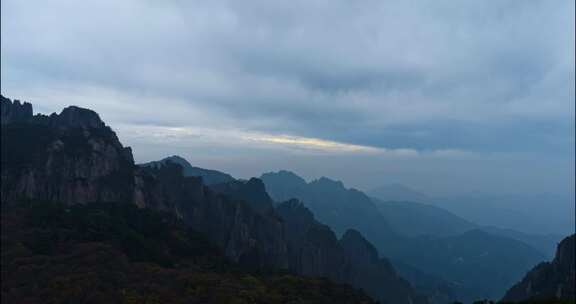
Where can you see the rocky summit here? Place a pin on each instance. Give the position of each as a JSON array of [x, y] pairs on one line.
[[71, 157], [74, 158]]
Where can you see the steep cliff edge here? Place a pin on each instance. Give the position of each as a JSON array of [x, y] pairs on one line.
[[549, 280], [247, 236], [376, 275], [313, 248], [118, 253], [16, 111], [475, 263], [209, 177], [252, 192], [71, 157], [75, 159]]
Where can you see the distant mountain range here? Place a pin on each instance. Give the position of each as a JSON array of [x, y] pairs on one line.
[[398, 193], [66, 180], [539, 214], [417, 219], [74, 159], [331, 202], [434, 241], [544, 213], [449, 216]]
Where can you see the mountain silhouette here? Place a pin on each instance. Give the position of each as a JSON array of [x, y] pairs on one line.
[[468, 259], [209, 177], [549, 280], [75, 159]]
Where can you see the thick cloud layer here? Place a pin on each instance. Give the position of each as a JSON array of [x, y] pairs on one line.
[[427, 79]]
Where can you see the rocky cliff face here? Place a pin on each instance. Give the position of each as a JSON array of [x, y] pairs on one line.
[[332, 203], [452, 258], [71, 157], [252, 192], [253, 239], [549, 280], [209, 177], [14, 111], [74, 158], [375, 275], [313, 248]]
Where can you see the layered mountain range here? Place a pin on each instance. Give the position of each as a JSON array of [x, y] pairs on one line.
[[76, 159], [520, 212], [396, 252], [361, 265], [453, 260], [415, 219]]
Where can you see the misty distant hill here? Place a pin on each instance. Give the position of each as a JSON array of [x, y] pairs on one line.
[[398, 193], [332, 203], [520, 217], [544, 213], [466, 257], [480, 263], [545, 243], [417, 219], [209, 177], [538, 213], [437, 289]]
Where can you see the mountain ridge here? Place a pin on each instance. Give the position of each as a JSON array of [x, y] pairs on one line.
[[209, 176], [451, 258], [83, 162]]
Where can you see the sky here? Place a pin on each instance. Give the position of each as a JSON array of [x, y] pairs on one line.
[[443, 96]]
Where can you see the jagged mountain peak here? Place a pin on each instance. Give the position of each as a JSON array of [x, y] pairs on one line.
[[293, 204], [15, 102], [333, 204], [353, 241], [71, 164], [566, 250], [177, 159], [74, 116], [284, 176], [328, 182], [549, 280], [252, 191], [70, 117], [256, 184], [368, 268], [295, 208], [14, 111], [71, 157], [209, 177]]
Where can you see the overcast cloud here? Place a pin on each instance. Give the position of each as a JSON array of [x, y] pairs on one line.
[[473, 92]]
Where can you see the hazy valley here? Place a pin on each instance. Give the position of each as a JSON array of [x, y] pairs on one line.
[[287, 152], [396, 252]]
